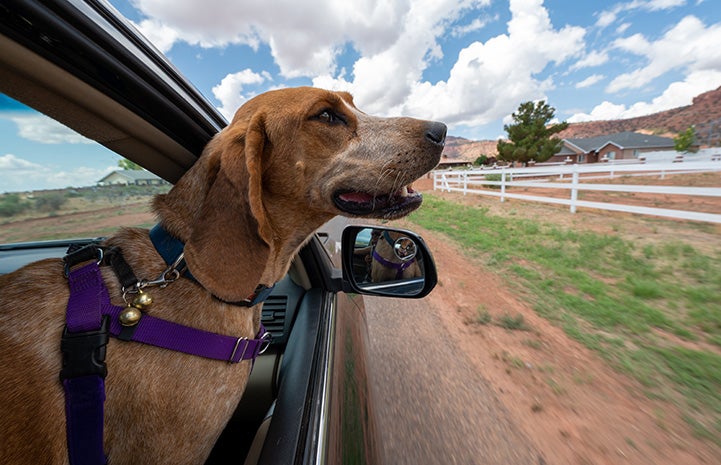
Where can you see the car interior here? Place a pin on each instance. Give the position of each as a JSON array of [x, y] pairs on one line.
[[281, 376]]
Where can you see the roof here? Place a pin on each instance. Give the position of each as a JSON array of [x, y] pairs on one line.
[[132, 175], [623, 140]]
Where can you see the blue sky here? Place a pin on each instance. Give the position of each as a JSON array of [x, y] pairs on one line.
[[469, 63]]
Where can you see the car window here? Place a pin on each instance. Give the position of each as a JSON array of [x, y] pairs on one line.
[[57, 184]]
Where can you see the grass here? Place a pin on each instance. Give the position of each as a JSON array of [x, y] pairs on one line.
[[516, 322], [652, 310]]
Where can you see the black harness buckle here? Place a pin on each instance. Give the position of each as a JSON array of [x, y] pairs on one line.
[[84, 352], [76, 255]]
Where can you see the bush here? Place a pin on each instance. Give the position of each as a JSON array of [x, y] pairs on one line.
[[50, 203], [482, 160], [492, 177], [11, 205]]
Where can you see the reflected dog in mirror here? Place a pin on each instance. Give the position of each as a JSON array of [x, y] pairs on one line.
[[393, 258]]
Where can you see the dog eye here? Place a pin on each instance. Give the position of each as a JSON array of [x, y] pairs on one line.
[[329, 117]]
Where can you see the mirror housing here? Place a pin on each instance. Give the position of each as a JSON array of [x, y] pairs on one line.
[[388, 262]]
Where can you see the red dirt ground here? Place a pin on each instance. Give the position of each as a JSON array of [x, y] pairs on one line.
[[574, 408]]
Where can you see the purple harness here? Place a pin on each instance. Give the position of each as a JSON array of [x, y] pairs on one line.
[[90, 320], [399, 267]]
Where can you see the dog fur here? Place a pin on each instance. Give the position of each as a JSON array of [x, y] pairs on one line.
[[262, 186]]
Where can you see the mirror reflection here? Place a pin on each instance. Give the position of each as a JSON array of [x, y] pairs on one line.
[[388, 261]]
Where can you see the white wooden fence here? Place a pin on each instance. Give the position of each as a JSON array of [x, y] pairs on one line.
[[570, 177]]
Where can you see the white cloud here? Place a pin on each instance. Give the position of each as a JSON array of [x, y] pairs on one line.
[[18, 174], [489, 79], [592, 59], [622, 28], [608, 17], [40, 128], [396, 39], [589, 81], [158, 33], [10, 162], [475, 25], [231, 90], [655, 5], [687, 45], [304, 37], [677, 94], [383, 81]]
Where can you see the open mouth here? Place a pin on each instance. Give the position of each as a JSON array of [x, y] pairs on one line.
[[388, 206]]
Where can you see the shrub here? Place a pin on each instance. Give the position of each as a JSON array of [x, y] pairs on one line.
[[492, 177], [11, 205], [482, 160], [50, 203]]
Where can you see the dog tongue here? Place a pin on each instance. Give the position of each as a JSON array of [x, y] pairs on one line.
[[357, 197]]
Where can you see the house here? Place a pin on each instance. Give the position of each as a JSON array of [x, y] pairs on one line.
[[131, 178], [619, 146]]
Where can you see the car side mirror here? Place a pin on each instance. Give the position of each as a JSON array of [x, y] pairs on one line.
[[386, 262]]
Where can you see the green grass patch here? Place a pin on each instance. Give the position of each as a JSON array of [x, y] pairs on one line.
[[627, 299]]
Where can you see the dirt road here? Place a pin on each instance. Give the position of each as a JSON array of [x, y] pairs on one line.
[[434, 408]]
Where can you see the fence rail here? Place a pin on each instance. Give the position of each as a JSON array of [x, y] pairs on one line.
[[571, 177]]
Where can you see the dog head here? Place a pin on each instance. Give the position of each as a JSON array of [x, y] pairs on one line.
[[290, 160]]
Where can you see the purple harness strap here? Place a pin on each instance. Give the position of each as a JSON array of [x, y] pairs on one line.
[[399, 267], [90, 317], [83, 374]]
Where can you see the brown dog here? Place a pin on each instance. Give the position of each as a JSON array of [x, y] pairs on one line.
[[289, 161], [394, 257]]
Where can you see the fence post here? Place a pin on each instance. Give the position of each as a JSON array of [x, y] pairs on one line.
[[574, 188], [503, 184], [465, 183]]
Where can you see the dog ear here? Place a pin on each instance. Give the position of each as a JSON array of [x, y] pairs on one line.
[[228, 248], [255, 138]]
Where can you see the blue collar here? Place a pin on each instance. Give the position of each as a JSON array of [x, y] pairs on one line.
[[170, 249]]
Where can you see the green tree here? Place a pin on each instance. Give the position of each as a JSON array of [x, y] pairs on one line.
[[685, 140], [531, 136], [126, 164], [482, 160]]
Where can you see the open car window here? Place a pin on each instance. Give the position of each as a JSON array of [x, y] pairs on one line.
[[58, 184]]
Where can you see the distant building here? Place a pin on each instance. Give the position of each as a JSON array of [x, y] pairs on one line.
[[619, 146], [131, 178]]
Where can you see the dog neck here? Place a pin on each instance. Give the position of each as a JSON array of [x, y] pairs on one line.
[[223, 247], [172, 251]]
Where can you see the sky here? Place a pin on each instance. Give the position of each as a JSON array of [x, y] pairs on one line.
[[468, 63]]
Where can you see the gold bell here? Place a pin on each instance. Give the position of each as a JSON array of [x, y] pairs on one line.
[[142, 301], [130, 316]]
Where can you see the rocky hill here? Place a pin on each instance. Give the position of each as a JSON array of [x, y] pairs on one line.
[[458, 148], [704, 113]]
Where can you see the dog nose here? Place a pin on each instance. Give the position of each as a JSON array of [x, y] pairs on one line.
[[436, 133]]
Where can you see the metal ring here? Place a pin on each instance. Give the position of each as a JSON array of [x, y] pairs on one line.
[[266, 339], [235, 349]]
